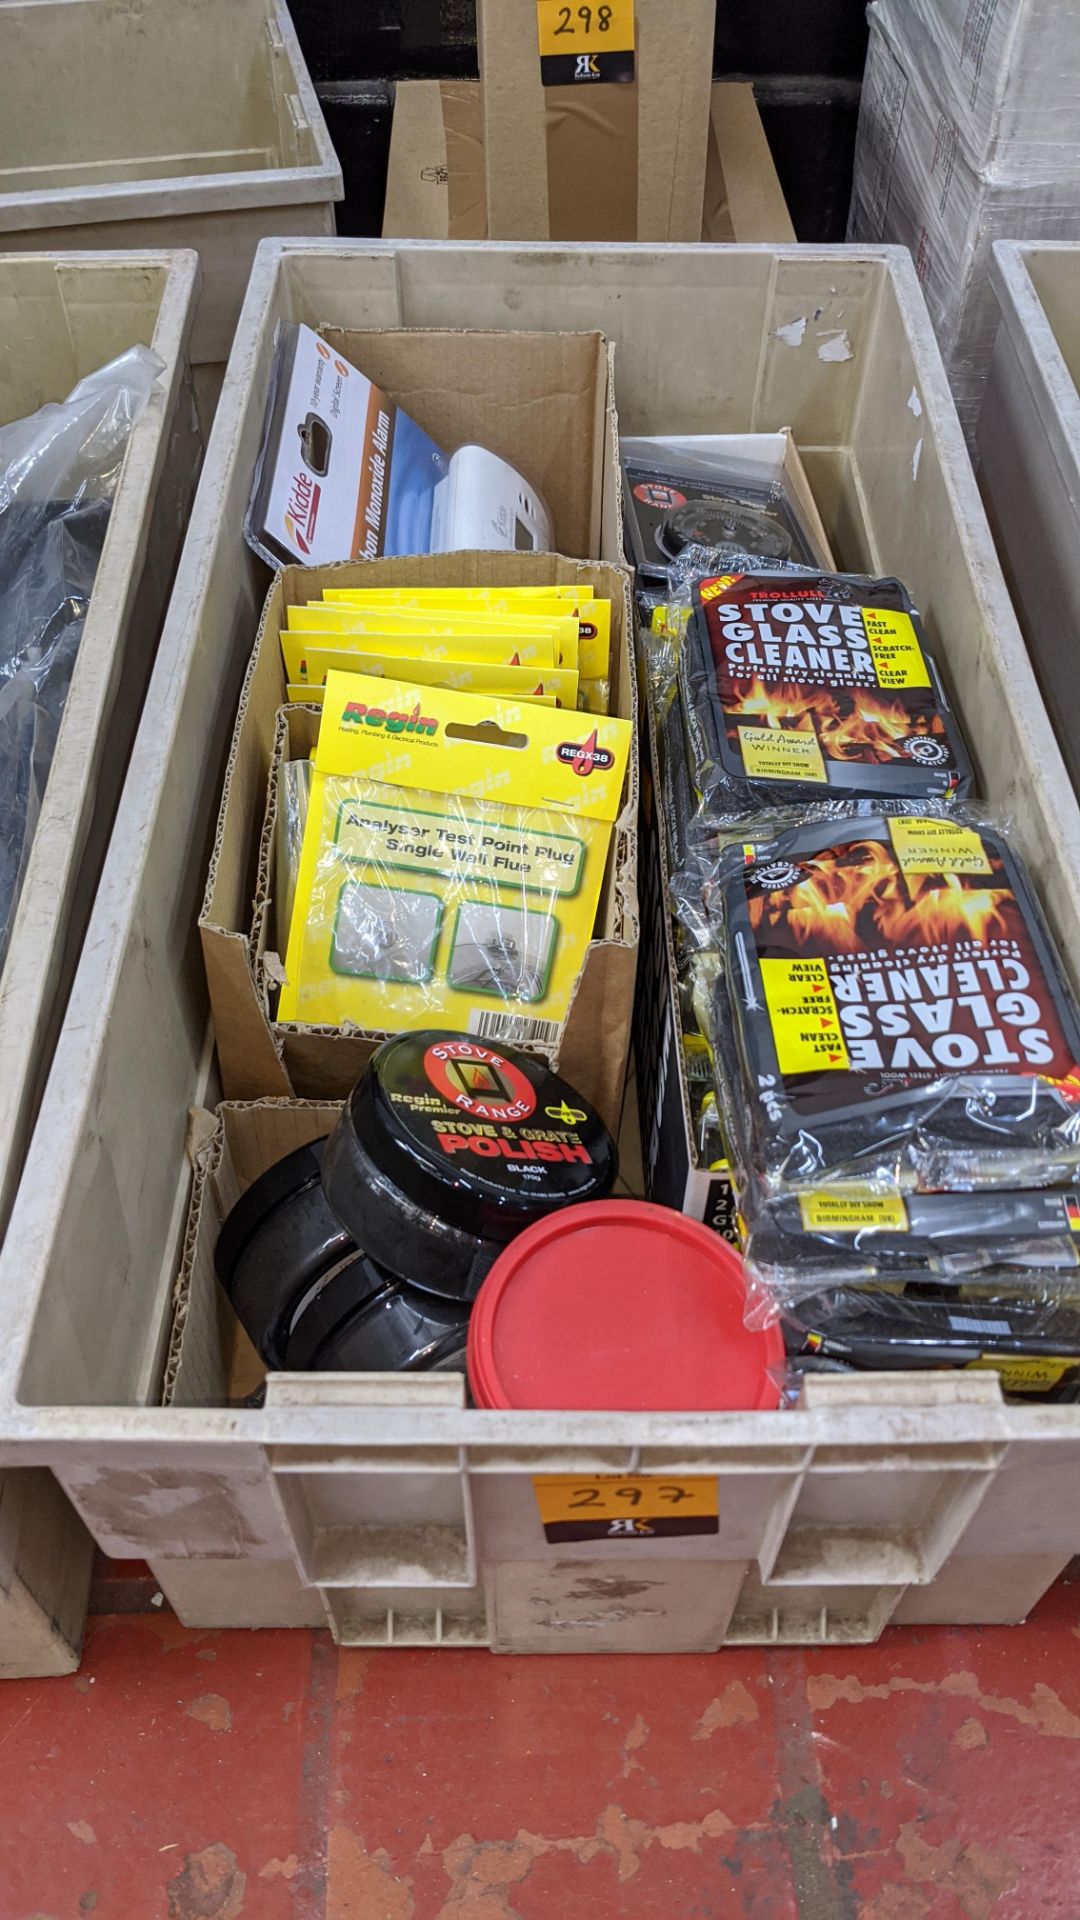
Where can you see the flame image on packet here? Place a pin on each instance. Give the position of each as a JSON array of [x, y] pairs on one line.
[[890, 1008], [812, 687]]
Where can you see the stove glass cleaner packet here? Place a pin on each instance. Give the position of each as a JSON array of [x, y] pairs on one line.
[[1031, 1339], [812, 686], [452, 862], [893, 1010], [342, 473], [858, 1234]]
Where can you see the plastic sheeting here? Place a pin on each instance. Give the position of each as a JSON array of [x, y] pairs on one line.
[[59, 470]]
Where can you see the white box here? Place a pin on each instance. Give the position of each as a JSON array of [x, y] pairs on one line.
[[967, 134], [383, 1504], [1029, 464]]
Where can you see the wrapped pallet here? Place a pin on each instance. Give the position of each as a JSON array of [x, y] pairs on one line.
[[967, 136]]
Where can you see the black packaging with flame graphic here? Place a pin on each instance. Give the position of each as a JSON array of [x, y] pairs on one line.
[[894, 1009], [813, 686]]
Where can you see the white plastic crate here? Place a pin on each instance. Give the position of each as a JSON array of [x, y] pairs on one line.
[[162, 123], [384, 1504], [46, 1560], [61, 316], [1029, 464]]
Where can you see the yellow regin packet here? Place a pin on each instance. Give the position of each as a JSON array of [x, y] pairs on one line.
[[562, 634], [593, 616], [452, 860], [299, 648]]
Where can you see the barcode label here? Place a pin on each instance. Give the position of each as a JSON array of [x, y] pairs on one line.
[[513, 1029], [960, 1324]]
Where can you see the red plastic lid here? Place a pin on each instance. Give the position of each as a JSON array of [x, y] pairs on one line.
[[618, 1304]]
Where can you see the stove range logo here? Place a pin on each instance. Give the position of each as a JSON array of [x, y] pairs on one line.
[[485, 1085], [656, 493], [584, 756]]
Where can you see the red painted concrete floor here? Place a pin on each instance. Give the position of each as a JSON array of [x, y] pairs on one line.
[[187, 1775]]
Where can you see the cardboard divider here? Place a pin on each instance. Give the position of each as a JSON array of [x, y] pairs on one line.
[[211, 1361], [435, 176], [260, 1058], [743, 196]]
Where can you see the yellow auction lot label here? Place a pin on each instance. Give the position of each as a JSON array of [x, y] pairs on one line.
[[582, 42], [617, 1507]]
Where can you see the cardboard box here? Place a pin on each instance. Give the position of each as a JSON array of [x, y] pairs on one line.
[[967, 135], [211, 1362], [590, 162], [435, 175], [435, 185], [261, 1058]]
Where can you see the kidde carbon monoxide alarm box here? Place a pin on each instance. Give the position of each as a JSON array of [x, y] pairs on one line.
[[344, 473]]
